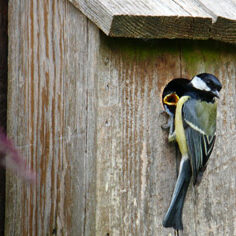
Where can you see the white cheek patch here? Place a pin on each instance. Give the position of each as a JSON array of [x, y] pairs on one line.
[[198, 83]]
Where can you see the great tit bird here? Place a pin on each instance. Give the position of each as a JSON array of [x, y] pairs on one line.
[[195, 127]]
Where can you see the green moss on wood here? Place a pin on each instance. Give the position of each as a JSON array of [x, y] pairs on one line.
[[199, 56], [195, 56], [140, 49]]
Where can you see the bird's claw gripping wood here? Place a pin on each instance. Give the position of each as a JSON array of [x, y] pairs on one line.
[[172, 137], [169, 125]]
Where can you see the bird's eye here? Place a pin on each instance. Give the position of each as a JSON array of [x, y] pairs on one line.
[[209, 83]]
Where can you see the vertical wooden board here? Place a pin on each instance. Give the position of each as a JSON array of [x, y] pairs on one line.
[[135, 165], [212, 204], [51, 118], [3, 61], [3, 98]]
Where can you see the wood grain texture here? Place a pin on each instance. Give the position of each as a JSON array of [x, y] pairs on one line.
[[136, 174], [132, 157], [214, 199], [3, 98], [51, 118], [85, 110], [194, 19]]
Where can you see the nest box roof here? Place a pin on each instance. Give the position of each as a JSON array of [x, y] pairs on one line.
[[187, 19]]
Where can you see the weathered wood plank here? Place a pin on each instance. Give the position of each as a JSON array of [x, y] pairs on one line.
[[134, 167], [163, 19], [225, 9], [212, 203], [51, 118], [3, 98], [224, 27]]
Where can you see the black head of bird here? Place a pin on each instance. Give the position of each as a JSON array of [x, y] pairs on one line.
[[206, 86]]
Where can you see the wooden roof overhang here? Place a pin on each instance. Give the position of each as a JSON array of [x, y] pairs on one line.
[[186, 19]]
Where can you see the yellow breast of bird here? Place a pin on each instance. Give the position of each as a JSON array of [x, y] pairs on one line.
[[179, 128]]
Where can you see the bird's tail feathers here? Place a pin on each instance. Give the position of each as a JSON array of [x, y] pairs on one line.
[[173, 217]]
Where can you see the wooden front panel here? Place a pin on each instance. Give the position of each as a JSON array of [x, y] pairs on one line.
[[136, 166]]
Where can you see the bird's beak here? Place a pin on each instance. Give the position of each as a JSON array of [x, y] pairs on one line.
[[216, 93]]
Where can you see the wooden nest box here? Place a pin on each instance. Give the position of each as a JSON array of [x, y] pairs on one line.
[[85, 79]]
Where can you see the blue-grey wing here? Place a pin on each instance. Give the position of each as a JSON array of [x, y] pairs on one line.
[[199, 124]]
